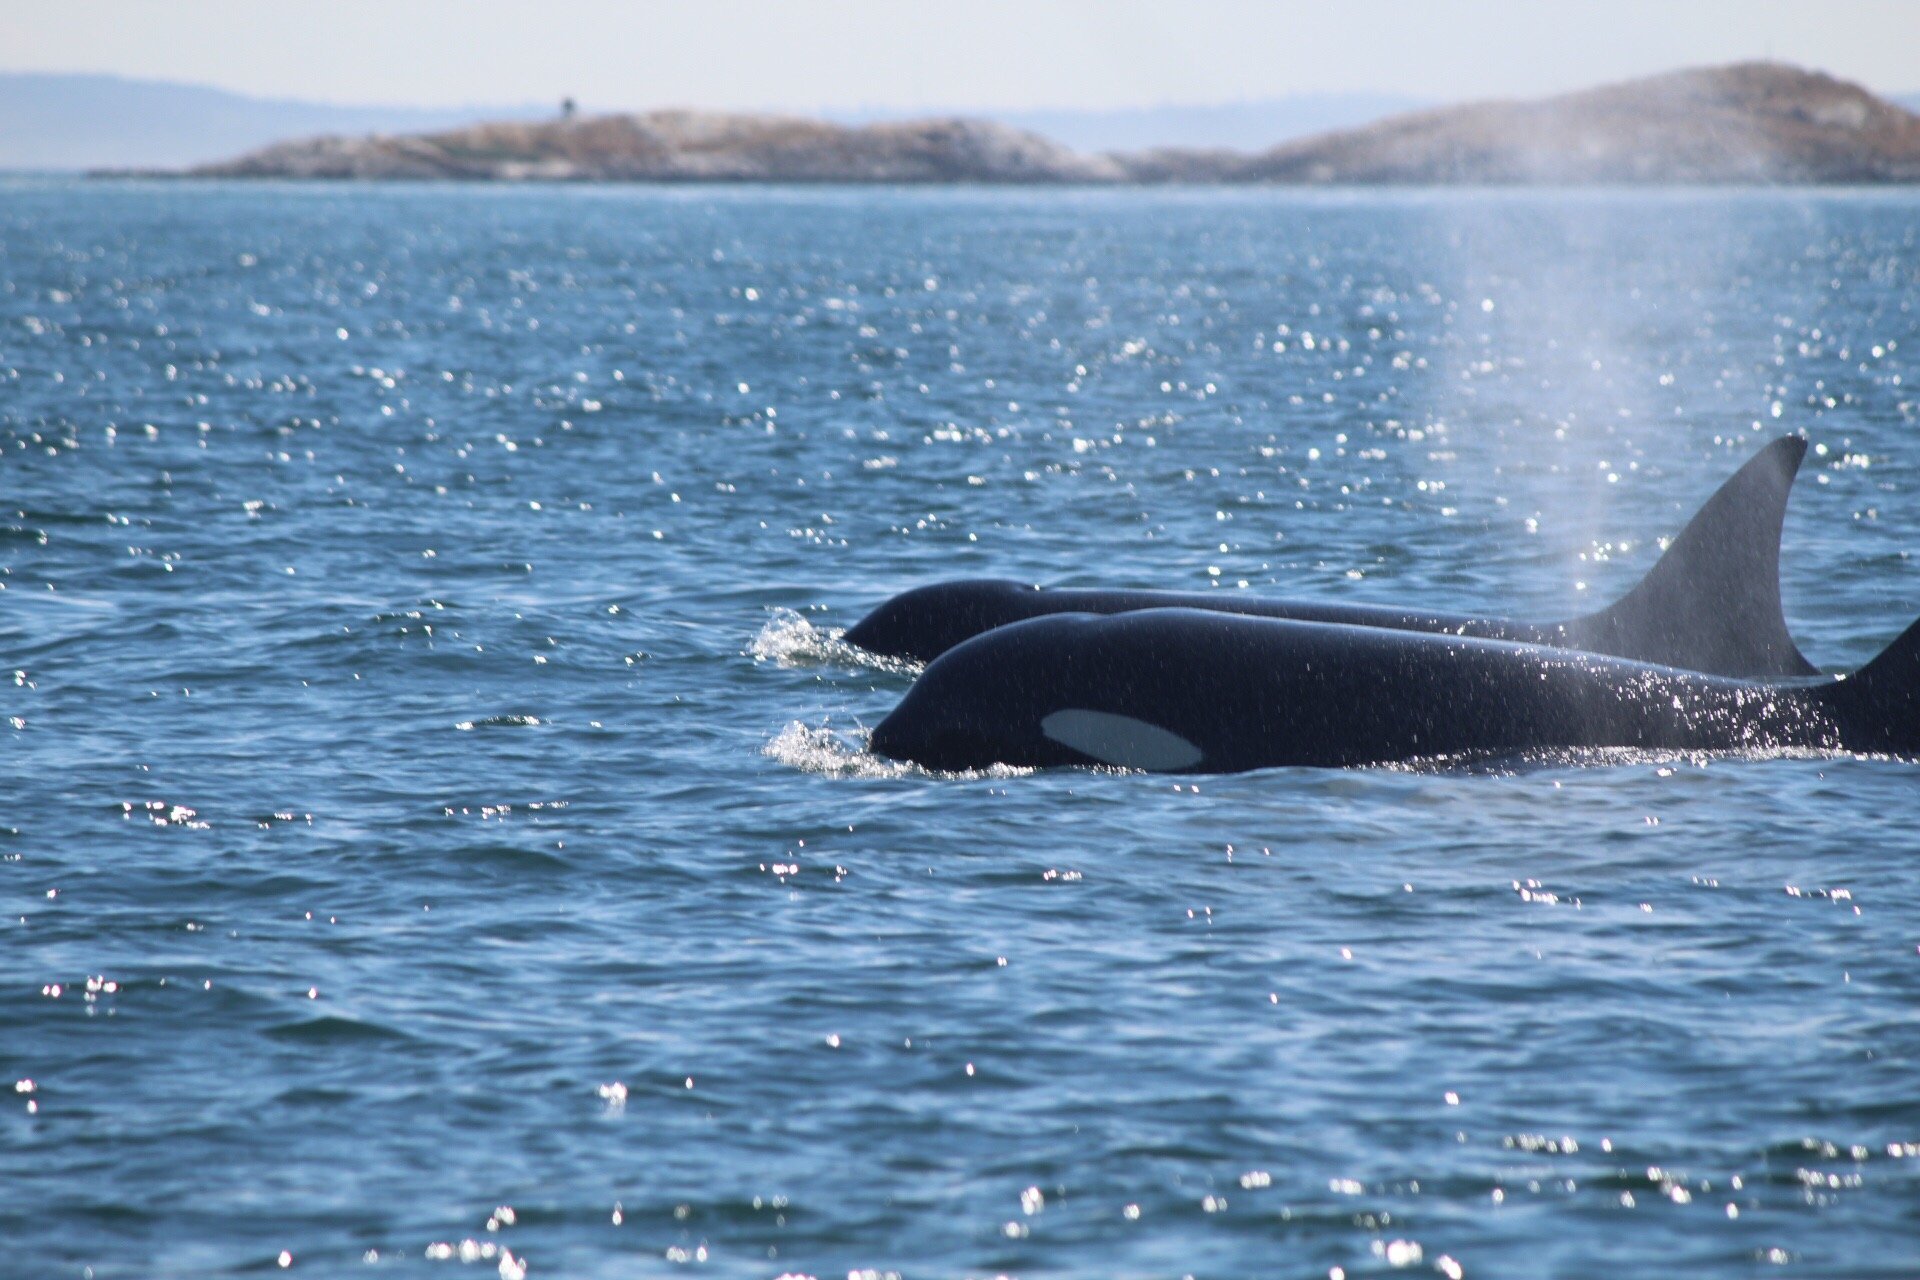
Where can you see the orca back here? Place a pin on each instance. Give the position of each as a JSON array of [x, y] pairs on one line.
[[1710, 604]]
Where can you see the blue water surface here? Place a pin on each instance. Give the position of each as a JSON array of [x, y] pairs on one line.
[[434, 835]]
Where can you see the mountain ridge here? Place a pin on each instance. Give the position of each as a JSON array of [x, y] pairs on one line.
[[1744, 123], [1753, 122], [55, 121], [75, 121]]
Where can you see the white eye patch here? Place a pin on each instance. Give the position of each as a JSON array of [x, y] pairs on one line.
[[1120, 741]]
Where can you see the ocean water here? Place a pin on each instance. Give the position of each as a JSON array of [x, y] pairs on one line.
[[434, 835]]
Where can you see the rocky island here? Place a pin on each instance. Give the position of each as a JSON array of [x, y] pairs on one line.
[[686, 146], [1749, 123]]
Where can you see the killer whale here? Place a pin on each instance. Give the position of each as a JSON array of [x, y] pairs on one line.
[[1196, 691], [1711, 603]]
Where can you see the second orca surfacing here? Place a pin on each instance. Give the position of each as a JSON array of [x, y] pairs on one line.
[[1710, 604], [1192, 691]]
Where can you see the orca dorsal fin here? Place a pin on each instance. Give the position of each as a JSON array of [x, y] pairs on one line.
[[1712, 601], [1879, 704]]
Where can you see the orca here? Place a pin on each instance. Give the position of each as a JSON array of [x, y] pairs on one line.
[[1198, 691], [1711, 603]]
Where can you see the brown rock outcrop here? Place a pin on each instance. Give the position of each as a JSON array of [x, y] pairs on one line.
[[1755, 122]]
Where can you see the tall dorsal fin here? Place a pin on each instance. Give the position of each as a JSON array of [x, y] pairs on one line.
[[1712, 602], [1879, 704]]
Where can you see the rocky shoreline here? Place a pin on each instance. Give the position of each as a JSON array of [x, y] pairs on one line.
[[1750, 123]]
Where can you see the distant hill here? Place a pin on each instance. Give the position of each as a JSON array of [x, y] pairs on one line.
[[76, 122], [1755, 122], [1746, 123], [688, 146], [71, 122]]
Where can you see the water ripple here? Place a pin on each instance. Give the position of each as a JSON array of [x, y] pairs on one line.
[[424, 707]]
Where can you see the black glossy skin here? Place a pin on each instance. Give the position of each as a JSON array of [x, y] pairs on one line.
[[1257, 692], [1711, 604], [925, 622]]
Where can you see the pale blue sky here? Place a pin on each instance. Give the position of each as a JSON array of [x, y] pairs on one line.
[[903, 54]]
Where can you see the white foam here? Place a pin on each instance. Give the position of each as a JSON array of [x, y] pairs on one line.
[[789, 640], [835, 753], [1512, 763], [830, 753]]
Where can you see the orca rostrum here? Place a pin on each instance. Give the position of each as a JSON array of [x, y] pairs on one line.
[[1711, 603], [1198, 691]]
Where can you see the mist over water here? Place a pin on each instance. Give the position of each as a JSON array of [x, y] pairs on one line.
[[434, 835]]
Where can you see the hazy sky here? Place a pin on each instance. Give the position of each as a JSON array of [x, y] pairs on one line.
[[938, 53]]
